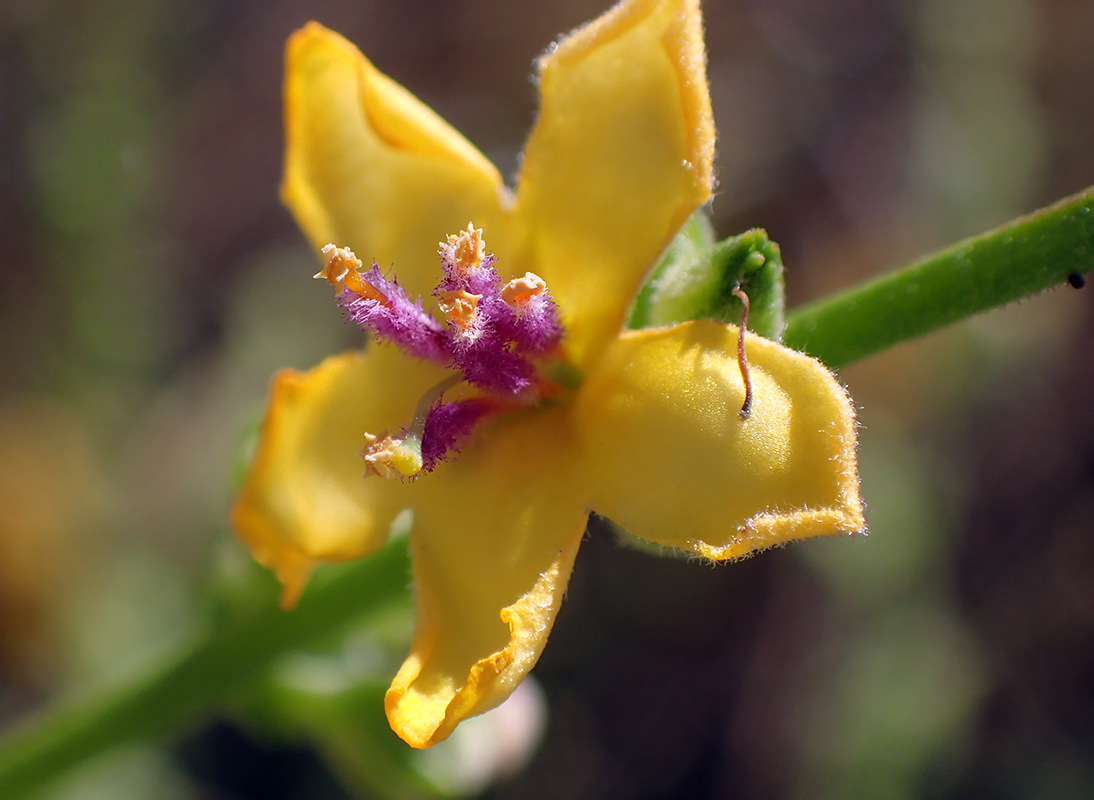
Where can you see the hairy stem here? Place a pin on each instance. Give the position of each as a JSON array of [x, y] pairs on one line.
[[1021, 258]]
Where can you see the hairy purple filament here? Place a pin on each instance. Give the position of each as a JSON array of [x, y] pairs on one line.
[[492, 339], [448, 425]]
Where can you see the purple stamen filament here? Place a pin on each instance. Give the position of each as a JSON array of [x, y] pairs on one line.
[[495, 335]]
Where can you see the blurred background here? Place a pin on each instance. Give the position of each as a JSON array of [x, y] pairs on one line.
[[150, 283]]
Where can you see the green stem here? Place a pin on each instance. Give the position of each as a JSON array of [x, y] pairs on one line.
[[198, 678], [1014, 261]]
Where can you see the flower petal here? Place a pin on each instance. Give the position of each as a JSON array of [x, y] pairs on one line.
[[620, 156], [304, 499], [670, 459], [494, 539], [369, 167]]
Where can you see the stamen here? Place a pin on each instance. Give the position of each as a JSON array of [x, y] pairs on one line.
[[518, 292], [340, 261], [458, 307], [742, 361], [392, 456], [502, 339], [341, 270], [464, 250]]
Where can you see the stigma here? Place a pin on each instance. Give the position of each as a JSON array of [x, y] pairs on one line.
[[391, 457]]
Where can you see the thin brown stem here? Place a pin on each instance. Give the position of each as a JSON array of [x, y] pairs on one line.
[[742, 361]]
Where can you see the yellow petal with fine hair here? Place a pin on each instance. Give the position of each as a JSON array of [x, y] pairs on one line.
[[493, 543], [370, 167], [668, 457], [304, 499], [620, 156]]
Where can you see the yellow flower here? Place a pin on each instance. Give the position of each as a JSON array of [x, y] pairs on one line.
[[620, 156]]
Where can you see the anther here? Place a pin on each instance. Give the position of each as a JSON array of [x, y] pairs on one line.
[[465, 250], [742, 361], [338, 264], [342, 271], [519, 291], [458, 307]]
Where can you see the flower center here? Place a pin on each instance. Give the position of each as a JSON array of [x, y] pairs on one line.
[[503, 340]]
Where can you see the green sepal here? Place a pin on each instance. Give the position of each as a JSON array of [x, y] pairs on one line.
[[756, 262], [681, 281], [696, 276]]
